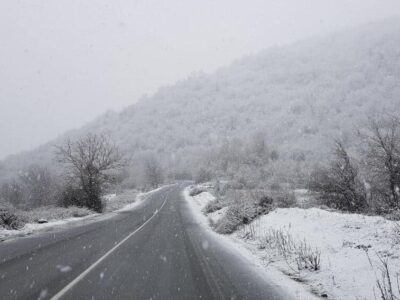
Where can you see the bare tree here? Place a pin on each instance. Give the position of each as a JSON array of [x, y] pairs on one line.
[[339, 185], [90, 161], [383, 158]]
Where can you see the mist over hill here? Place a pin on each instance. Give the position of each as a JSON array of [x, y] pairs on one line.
[[291, 100]]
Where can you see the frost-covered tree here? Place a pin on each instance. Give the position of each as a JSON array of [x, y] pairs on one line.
[[383, 159], [339, 184], [89, 162]]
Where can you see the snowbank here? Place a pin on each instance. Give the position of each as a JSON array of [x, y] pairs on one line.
[[197, 204], [350, 247], [344, 240]]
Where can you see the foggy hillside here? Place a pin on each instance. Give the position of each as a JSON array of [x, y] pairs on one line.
[[297, 98]]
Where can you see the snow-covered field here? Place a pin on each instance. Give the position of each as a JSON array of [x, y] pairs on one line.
[[127, 200], [351, 248]]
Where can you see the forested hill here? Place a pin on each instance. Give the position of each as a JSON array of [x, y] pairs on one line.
[[295, 98]]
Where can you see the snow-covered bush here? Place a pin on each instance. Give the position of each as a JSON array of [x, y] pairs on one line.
[[298, 255], [236, 215], [339, 185], [245, 205], [72, 196], [265, 201], [393, 215], [196, 190], [9, 217], [383, 159], [307, 257], [283, 198], [213, 206]]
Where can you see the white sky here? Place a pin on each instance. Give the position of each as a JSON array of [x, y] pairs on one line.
[[64, 62]]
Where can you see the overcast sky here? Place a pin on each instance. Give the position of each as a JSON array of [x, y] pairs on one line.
[[64, 62]]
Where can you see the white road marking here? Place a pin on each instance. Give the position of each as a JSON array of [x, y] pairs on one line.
[[94, 265]]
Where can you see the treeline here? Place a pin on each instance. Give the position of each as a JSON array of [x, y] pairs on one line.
[[35, 186], [251, 163], [87, 168], [365, 179], [287, 99], [370, 183]]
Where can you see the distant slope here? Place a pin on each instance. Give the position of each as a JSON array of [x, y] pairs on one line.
[[299, 96]]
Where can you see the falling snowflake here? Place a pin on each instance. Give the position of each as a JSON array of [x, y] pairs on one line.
[[64, 269], [205, 244]]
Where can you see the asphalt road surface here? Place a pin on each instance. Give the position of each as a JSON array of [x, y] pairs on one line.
[[157, 251]]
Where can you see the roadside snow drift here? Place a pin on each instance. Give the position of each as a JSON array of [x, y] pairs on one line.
[[351, 246]]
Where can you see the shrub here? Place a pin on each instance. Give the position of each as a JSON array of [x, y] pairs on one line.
[[75, 196], [298, 255], [213, 206], [284, 199], [383, 158], [265, 201], [307, 258], [9, 219], [245, 206], [339, 185], [195, 190], [229, 223], [262, 201], [72, 196], [236, 215], [393, 215]]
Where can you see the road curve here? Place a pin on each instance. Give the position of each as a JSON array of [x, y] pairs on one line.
[[156, 251]]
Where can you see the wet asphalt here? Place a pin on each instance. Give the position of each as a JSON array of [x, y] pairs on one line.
[[167, 255]]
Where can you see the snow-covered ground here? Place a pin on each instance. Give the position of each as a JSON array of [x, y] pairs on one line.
[[127, 200], [350, 246], [293, 288]]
